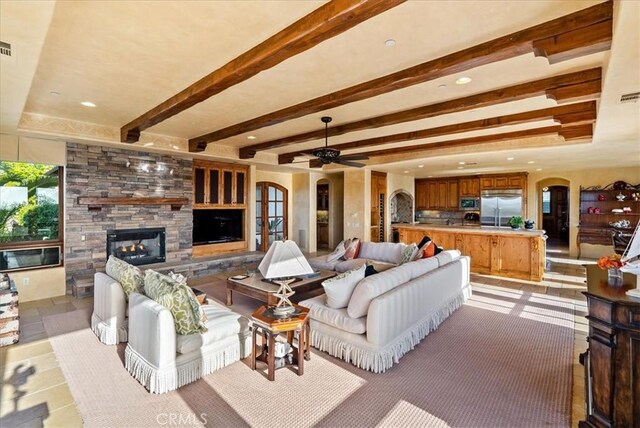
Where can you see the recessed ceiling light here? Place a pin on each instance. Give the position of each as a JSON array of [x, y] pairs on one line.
[[460, 167], [442, 86], [429, 176], [531, 162], [251, 137], [461, 163], [55, 93], [510, 158], [420, 166], [406, 172], [390, 43], [539, 169], [463, 80], [88, 104]]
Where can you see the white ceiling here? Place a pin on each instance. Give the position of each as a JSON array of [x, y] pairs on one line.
[[127, 57]]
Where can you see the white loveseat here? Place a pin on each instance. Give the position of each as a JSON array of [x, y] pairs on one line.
[[383, 255], [162, 360], [389, 313]]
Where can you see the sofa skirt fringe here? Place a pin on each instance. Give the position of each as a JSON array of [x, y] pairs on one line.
[[161, 380], [381, 360], [107, 333]]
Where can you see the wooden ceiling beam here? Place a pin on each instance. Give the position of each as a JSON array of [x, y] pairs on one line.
[[568, 133], [567, 114], [329, 20], [497, 96], [547, 38]]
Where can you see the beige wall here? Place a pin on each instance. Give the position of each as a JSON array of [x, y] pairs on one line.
[[577, 179], [398, 182], [47, 282], [301, 218], [357, 203]]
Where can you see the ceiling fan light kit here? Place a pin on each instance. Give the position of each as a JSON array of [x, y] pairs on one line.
[[327, 155]]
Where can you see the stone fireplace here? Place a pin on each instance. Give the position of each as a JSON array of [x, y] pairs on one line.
[[137, 246]]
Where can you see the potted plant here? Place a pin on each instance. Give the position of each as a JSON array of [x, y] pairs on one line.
[[515, 222], [528, 224]]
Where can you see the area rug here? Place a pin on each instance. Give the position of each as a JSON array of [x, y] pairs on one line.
[[502, 360]]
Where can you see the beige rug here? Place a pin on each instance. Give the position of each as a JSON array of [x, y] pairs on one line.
[[504, 359]]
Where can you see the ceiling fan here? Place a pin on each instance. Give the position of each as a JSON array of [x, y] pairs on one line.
[[327, 155]]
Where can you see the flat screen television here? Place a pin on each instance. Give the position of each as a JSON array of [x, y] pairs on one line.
[[217, 226]]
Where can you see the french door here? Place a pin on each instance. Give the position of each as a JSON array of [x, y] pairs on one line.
[[271, 214]]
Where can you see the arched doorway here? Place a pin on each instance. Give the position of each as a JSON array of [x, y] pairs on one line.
[[271, 214], [553, 213]]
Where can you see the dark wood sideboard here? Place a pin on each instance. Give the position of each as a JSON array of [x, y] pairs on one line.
[[612, 361]]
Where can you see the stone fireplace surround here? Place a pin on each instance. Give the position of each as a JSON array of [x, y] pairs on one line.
[[96, 171]]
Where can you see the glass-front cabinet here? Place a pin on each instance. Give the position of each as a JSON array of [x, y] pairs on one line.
[[218, 185]]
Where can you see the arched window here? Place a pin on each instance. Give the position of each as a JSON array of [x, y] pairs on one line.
[[271, 214]]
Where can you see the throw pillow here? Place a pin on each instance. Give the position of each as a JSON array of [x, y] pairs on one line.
[[426, 240], [352, 249], [408, 253], [337, 253], [179, 299], [370, 270], [128, 276], [340, 288]]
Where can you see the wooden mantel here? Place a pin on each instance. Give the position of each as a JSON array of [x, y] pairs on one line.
[[96, 203]]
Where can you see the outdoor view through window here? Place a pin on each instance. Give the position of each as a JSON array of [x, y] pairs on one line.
[[29, 215]]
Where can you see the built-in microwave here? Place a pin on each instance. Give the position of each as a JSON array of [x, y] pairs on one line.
[[469, 203]]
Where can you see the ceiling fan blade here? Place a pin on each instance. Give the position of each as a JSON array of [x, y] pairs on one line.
[[354, 157], [349, 163]]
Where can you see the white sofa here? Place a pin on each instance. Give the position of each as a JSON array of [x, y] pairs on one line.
[[162, 360], [391, 312], [109, 320], [383, 255]]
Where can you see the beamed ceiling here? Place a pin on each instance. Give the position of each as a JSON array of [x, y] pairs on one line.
[[201, 78]]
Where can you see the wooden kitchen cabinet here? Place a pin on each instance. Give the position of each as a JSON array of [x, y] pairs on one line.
[[217, 185], [421, 195], [437, 194], [504, 181], [452, 194], [432, 195], [470, 187]]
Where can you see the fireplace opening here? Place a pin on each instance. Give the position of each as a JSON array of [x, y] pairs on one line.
[[137, 246], [217, 226]]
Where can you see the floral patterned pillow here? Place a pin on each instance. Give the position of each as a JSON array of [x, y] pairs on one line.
[[408, 253], [178, 297], [130, 277]]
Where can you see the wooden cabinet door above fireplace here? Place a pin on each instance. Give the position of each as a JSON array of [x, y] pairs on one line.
[[217, 185]]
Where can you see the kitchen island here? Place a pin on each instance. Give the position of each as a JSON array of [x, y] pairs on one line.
[[493, 250]]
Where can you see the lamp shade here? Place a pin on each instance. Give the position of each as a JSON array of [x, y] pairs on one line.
[[284, 259]]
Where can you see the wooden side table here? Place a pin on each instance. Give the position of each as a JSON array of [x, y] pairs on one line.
[[270, 327]]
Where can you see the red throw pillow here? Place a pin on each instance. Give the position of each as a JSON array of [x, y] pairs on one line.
[[352, 249], [429, 250]]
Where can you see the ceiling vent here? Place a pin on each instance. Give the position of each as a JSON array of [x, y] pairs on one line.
[[5, 49], [630, 98]]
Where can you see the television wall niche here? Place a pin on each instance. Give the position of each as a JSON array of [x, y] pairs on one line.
[[218, 226]]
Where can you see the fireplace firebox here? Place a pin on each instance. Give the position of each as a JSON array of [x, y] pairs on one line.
[[137, 246]]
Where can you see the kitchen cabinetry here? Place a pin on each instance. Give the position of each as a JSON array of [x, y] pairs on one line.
[[217, 185], [470, 187], [514, 254], [437, 194], [594, 226], [503, 181], [378, 205]]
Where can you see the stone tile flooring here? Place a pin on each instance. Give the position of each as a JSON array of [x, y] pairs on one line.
[[35, 393]]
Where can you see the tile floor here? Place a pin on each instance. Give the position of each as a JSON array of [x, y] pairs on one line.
[[34, 391]]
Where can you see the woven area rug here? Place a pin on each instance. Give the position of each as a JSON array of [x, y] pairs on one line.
[[502, 360]]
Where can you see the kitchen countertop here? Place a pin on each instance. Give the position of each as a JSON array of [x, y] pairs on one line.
[[471, 229]]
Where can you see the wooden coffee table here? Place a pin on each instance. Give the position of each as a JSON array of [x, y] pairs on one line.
[[254, 286]]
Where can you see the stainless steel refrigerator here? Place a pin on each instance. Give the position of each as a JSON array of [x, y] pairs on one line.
[[498, 206]]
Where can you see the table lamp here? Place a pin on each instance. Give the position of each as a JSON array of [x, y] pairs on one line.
[[281, 264]]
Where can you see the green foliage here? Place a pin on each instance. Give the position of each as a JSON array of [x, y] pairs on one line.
[[516, 222], [33, 220]]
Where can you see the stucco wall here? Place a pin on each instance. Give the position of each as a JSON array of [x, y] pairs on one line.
[[578, 178], [357, 203]]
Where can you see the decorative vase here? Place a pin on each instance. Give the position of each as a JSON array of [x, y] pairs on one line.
[[615, 276]]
